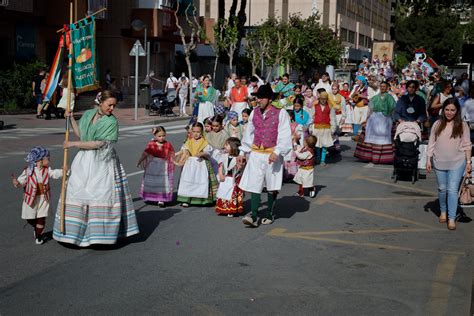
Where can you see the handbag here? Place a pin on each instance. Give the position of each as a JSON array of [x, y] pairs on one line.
[[466, 191]]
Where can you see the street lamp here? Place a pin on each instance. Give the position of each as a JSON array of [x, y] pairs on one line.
[[138, 26]]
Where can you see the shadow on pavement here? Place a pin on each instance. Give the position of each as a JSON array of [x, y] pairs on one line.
[[287, 206], [433, 206]]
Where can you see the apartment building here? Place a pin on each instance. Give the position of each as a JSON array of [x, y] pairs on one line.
[[357, 22]]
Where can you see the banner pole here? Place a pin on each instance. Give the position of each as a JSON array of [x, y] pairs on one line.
[[66, 136]]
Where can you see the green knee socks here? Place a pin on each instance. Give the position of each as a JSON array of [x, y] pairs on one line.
[[255, 203]]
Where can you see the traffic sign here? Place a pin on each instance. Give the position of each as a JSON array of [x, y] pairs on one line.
[[137, 48]]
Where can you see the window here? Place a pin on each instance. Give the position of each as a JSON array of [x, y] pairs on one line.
[[352, 37], [96, 5], [343, 35]]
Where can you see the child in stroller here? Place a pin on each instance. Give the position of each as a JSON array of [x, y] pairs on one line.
[[407, 141]]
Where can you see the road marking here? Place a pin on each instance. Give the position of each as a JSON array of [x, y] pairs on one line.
[[409, 198], [383, 215], [440, 288], [365, 231], [360, 177], [281, 232], [135, 173]]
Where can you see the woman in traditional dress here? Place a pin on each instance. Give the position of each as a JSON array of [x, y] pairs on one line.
[[157, 162], [285, 89], [377, 146], [206, 96], [98, 206], [338, 103], [309, 100], [198, 182], [359, 99], [346, 126]]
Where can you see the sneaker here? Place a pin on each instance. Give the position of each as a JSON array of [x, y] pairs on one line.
[[230, 215], [312, 194], [267, 221], [39, 240], [184, 204], [161, 204], [323, 164], [248, 220]]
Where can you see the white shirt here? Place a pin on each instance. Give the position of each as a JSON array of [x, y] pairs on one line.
[[325, 85], [284, 142], [170, 82], [195, 83]]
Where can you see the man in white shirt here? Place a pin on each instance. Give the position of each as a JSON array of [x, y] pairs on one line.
[[324, 83], [171, 83]]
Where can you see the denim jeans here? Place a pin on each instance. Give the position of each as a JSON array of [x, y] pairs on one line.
[[448, 187]]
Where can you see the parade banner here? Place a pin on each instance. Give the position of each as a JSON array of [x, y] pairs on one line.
[[381, 48], [84, 69], [55, 71]]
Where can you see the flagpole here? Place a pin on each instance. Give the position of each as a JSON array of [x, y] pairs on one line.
[[66, 137], [77, 21]]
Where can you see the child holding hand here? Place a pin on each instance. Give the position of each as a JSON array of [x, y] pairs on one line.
[[305, 160]]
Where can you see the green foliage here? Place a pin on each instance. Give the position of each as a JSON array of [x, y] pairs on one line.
[[401, 60], [468, 32], [440, 36], [314, 44], [15, 85], [431, 7]]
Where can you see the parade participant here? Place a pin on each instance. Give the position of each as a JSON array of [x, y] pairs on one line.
[[267, 138], [324, 83], [450, 148], [302, 117], [37, 92], [359, 99], [34, 180], [338, 103], [62, 105], [291, 99], [285, 89], [324, 126], [459, 94], [346, 126], [410, 107], [216, 139], [290, 167], [198, 182], [157, 162], [98, 206], [245, 119], [439, 99], [230, 197], [238, 98], [232, 127], [372, 88], [377, 145], [255, 82], [305, 160], [207, 125], [206, 96], [309, 100]]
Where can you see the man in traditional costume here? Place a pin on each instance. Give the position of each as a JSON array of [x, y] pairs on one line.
[[268, 139]]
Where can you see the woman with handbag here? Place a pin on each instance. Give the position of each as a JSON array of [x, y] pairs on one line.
[[449, 152]]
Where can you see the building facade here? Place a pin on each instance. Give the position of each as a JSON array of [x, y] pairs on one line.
[[358, 23]]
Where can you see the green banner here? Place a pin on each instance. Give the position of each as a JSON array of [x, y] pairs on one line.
[[84, 70]]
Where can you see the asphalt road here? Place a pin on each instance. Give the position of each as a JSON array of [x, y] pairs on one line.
[[364, 246]]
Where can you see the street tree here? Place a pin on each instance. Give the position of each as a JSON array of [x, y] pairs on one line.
[[314, 44], [217, 44], [191, 33], [230, 37], [255, 46]]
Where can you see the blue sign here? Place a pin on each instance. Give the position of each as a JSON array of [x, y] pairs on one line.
[[25, 42]]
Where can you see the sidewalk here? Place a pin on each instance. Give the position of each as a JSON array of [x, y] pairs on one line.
[[124, 114]]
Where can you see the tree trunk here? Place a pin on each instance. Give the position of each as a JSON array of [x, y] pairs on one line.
[[221, 10], [190, 74], [232, 10], [254, 68], [215, 67], [231, 59]]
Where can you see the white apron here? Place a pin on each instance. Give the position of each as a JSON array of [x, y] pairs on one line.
[[194, 181]]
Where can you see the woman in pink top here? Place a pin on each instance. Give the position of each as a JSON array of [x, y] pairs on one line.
[[450, 148]]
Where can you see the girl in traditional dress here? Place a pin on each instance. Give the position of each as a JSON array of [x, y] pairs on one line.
[[34, 180], [198, 182], [309, 100], [157, 162], [245, 119], [360, 101], [98, 206], [324, 127], [346, 126], [377, 146], [233, 128], [216, 139], [206, 96], [338, 103], [230, 196], [305, 160], [290, 167]]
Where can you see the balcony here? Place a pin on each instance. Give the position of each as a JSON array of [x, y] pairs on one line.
[[160, 22]]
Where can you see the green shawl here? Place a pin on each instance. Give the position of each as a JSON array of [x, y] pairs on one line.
[[286, 90], [104, 129], [385, 105], [209, 97]]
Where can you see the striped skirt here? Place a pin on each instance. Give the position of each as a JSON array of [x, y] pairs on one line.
[[99, 207]]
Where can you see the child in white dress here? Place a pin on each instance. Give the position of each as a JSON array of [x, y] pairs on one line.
[[305, 160]]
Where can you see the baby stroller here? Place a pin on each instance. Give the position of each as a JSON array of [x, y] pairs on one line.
[[162, 103], [407, 141]]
